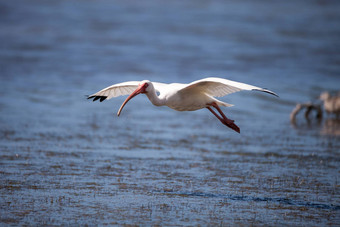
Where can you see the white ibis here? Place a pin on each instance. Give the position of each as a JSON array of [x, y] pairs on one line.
[[181, 97]]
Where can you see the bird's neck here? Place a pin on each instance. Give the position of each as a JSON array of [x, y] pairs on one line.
[[153, 97]]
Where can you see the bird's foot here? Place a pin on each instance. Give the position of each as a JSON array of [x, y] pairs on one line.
[[231, 124]]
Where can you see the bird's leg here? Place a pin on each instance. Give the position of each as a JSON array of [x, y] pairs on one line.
[[216, 115], [226, 121], [220, 111]]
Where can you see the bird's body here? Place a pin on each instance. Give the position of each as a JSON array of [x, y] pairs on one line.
[[331, 103], [173, 96], [181, 97]]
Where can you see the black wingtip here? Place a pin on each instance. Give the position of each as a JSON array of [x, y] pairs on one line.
[[103, 98], [267, 91], [95, 98]]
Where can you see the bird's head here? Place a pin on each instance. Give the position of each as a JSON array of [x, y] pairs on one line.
[[143, 87]]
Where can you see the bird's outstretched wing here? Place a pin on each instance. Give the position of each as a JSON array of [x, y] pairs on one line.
[[115, 90], [219, 87]]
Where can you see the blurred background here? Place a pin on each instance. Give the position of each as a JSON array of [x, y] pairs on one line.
[[67, 160]]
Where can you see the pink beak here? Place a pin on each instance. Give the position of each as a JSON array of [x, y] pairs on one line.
[[141, 89]]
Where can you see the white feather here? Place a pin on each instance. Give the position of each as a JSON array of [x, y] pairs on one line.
[[218, 87], [116, 90]]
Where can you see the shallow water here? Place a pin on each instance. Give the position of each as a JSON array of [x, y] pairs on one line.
[[66, 160]]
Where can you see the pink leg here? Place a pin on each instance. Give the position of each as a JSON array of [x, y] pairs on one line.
[[226, 121], [216, 115]]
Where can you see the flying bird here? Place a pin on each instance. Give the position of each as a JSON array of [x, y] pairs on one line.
[[181, 97]]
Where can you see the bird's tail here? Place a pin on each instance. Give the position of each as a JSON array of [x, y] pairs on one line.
[[220, 103]]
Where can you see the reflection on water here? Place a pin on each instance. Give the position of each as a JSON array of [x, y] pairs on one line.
[[331, 127], [67, 161]]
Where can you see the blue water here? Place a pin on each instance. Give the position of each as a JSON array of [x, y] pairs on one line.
[[67, 160]]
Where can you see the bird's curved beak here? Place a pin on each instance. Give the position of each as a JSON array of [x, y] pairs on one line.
[[140, 90]]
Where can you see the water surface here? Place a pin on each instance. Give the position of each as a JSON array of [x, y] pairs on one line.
[[67, 160]]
